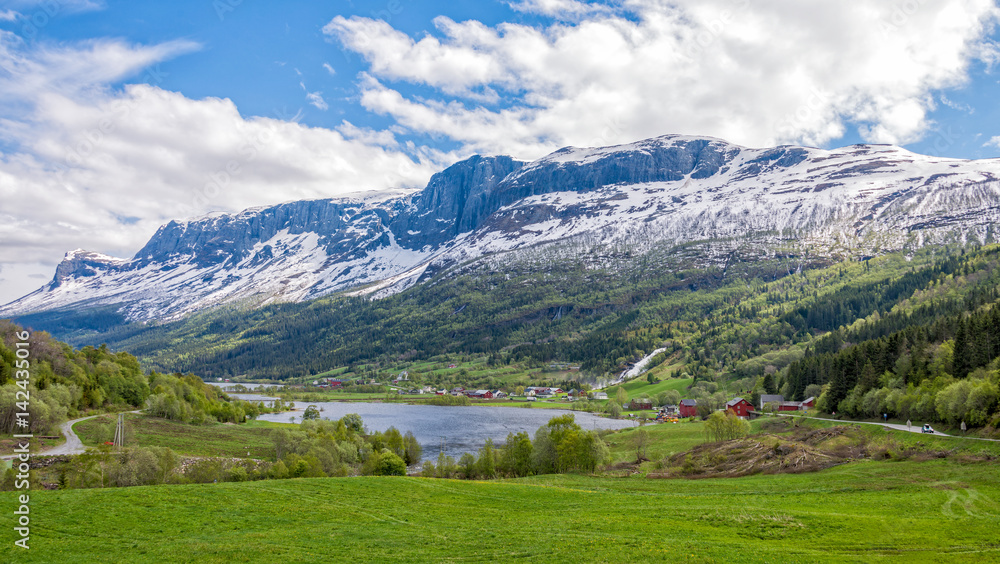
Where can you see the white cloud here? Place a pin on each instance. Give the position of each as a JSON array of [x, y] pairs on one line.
[[102, 168], [760, 73], [329, 69], [54, 8], [957, 106], [560, 8], [993, 142], [8, 15], [316, 99]]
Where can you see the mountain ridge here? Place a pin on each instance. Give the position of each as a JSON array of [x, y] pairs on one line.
[[669, 190]]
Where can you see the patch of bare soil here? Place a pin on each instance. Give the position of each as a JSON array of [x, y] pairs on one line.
[[742, 457]]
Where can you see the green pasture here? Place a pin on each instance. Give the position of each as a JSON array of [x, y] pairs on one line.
[[933, 511]]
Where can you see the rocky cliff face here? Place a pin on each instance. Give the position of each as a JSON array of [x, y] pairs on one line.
[[669, 190]]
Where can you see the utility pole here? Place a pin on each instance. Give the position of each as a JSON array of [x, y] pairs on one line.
[[120, 431]]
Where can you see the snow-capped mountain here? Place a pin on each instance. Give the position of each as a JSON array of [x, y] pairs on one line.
[[670, 190]]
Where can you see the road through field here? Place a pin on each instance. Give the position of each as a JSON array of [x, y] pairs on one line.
[[73, 444], [896, 426]]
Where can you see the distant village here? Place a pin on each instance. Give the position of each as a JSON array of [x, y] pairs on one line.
[[686, 408]]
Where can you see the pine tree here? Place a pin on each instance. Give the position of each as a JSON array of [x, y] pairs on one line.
[[961, 351], [769, 385]]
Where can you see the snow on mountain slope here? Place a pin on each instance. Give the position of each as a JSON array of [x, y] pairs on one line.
[[852, 201]]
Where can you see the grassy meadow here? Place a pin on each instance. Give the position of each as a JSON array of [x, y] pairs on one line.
[[858, 512], [216, 439]]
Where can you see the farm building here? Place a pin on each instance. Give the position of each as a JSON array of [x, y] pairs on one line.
[[600, 395], [739, 406], [481, 394], [688, 408], [641, 403], [770, 398], [797, 405]]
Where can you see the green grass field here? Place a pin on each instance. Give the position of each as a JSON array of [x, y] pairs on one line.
[[665, 439], [639, 385], [862, 512], [216, 439]]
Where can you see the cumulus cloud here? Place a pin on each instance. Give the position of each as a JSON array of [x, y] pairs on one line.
[[101, 168], [760, 73], [8, 15], [993, 142]]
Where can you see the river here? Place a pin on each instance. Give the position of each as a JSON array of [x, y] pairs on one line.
[[456, 429]]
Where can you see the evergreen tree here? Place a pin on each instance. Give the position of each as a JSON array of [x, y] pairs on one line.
[[961, 355], [769, 384]]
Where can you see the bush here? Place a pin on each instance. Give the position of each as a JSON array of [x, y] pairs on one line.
[[390, 465], [724, 427], [237, 474]]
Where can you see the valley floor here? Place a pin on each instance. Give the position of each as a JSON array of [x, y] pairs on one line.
[[940, 510]]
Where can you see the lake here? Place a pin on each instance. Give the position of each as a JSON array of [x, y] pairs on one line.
[[457, 429], [227, 385]]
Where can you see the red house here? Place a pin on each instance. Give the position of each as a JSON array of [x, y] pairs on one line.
[[739, 406], [688, 408], [797, 405]]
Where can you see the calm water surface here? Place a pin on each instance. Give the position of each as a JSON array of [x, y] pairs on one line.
[[459, 429], [225, 385]]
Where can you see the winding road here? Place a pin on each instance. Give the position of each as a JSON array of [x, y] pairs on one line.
[[896, 426], [73, 444]]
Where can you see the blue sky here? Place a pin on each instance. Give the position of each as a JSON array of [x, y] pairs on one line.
[[119, 116]]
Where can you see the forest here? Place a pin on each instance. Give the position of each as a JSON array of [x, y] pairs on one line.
[[67, 382]]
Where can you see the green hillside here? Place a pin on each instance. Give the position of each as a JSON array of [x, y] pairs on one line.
[[863, 332]]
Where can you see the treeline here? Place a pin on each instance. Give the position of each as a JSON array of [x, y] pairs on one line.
[[187, 398], [560, 446], [847, 304], [946, 370], [65, 382], [323, 448]]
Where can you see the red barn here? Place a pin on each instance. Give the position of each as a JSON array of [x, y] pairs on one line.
[[688, 408], [789, 406], [739, 406], [808, 402]]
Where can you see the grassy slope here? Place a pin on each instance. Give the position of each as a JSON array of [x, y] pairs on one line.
[[640, 385], [216, 439], [858, 512]]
